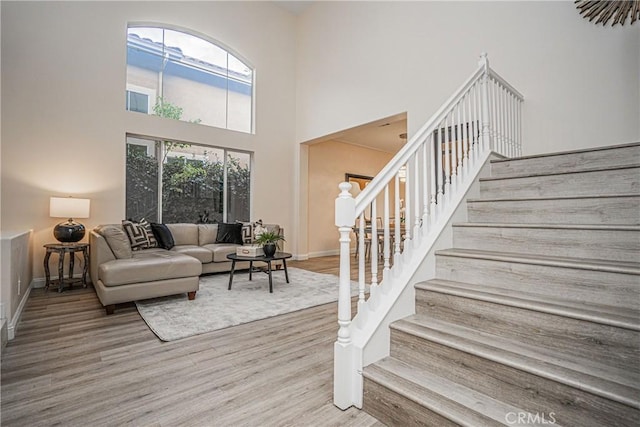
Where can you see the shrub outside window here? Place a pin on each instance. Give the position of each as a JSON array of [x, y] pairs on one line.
[[174, 182], [192, 79]]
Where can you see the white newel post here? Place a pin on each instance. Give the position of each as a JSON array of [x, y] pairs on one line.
[[344, 371], [484, 105]]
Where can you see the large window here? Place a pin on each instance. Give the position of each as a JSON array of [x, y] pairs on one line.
[[173, 182], [180, 76]]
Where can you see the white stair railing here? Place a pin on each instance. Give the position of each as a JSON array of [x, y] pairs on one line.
[[416, 190]]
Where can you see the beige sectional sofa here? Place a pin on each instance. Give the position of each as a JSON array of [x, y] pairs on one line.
[[120, 274]]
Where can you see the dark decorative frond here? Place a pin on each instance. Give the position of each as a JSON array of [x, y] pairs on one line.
[[603, 10]]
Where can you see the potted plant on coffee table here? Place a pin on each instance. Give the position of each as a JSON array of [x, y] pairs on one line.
[[269, 241]]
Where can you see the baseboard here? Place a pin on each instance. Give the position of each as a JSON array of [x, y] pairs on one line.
[[331, 252], [301, 257], [38, 283], [324, 253], [11, 330]]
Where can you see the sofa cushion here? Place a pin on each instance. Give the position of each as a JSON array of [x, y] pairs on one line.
[[148, 266], [230, 233], [163, 235], [184, 234], [203, 255], [221, 250], [116, 239], [207, 233]]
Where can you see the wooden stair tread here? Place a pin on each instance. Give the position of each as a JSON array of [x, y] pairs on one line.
[[598, 313], [601, 380], [527, 199], [460, 404], [570, 172], [622, 267], [563, 153], [599, 227]]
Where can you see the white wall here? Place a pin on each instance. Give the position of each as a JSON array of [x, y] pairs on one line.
[[360, 61], [15, 274], [63, 116]]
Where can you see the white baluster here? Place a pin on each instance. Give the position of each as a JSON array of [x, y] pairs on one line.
[[425, 177], [361, 257], [374, 246], [520, 128], [503, 118], [447, 158], [454, 151], [416, 194], [397, 221], [434, 174], [386, 238], [439, 160], [486, 137], [511, 121], [407, 202], [466, 121], [459, 140]]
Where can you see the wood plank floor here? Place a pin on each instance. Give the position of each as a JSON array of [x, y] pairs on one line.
[[71, 365]]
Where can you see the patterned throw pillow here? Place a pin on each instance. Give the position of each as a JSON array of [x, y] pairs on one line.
[[247, 232], [153, 243], [138, 234]]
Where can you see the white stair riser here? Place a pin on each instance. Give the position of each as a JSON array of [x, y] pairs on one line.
[[597, 287], [622, 210], [532, 393], [615, 181], [606, 244], [622, 156], [609, 345], [393, 409]]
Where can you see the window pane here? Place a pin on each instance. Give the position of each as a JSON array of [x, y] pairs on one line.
[[240, 93], [189, 78], [141, 180], [239, 186], [138, 102], [144, 61], [192, 184]]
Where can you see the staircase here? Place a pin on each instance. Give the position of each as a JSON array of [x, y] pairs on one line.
[[534, 315]]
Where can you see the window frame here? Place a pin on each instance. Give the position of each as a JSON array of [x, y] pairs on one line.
[[159, 150], [215, 42], [151, 94]]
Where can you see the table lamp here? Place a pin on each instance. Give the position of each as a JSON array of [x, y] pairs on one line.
[[68, 207]]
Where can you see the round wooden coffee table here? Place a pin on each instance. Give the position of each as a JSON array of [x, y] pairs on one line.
[[278, 256]]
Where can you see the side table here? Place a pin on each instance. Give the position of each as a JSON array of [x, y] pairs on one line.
[[61, 249]]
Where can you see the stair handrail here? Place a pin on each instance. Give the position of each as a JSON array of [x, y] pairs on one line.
[[388, 172], [483, 116]]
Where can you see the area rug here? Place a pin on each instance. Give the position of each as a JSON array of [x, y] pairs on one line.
[[175, 317]]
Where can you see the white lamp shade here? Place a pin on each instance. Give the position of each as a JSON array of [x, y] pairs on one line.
[[68, 207]]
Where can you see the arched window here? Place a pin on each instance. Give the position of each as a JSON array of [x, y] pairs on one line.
[[181, 76]]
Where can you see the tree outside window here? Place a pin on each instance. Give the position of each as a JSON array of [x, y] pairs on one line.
[[193, 187]]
